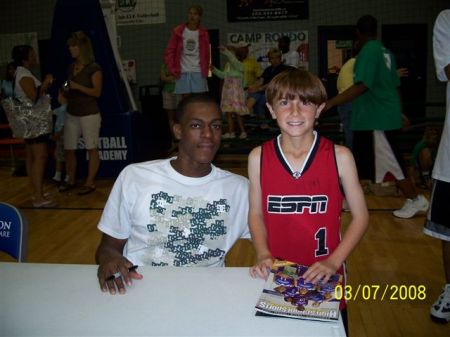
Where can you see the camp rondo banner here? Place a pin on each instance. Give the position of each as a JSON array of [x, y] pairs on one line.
[[266, 10], [261, 42], [140, 12]]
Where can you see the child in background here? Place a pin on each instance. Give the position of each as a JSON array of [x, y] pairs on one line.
[[233, 95], [170, 99], [423, 156], [58, 135], [297, 184]]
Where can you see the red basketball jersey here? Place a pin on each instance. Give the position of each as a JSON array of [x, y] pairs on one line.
[[302, 210]]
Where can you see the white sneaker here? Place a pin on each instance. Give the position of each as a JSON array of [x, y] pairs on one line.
[[440, 310], [243, 135], [412, 207]]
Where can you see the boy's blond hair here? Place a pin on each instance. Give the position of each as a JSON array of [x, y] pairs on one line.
[[274, 52], [299, 83]]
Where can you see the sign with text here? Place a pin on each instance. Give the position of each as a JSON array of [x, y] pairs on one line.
[[140, 12], [263, 10], [261, 42]]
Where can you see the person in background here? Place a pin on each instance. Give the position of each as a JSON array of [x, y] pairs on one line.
[[288, 57], [233, 96], [314, 174], [58, 136], [345, 81], [85, 81], [377, 117], [27, 87], [170, 99], [437, 224], [256, 93], [252, 69], [182, 211], [423, 157], [6, 88], [187, 54]]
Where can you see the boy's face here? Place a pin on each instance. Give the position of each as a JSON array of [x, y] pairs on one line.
[[274, 60], [293, 116], [199, 132]]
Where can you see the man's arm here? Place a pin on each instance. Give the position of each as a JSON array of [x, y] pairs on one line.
[[111, 261], [358, 225], [346, 96], [255, 218]]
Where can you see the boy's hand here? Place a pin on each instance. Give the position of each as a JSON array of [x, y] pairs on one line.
[[262, 268], [320, 271]]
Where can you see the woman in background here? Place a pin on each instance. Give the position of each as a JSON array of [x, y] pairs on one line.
[[28, 87], [83, 118]]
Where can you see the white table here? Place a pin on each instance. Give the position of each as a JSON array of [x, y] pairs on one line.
[[65, 300]]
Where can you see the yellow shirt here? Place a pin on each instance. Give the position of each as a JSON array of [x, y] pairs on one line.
[[252, 71], [345, 77]]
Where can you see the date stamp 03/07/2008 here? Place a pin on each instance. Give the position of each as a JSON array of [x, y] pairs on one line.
[[378, 292]]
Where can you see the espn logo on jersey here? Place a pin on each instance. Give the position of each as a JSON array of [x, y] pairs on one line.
[[297, 204]]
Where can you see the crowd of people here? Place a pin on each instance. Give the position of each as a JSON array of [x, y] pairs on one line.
[[185, 211]]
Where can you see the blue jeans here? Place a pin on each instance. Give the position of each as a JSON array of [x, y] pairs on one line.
[[345, 113], [260, 107]]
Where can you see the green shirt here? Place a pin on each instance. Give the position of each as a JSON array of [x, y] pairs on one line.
[[379, 107]]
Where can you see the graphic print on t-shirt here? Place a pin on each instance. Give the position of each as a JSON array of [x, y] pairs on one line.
[[186, 231]]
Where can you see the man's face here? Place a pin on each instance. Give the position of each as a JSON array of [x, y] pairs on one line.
[[199, 131]]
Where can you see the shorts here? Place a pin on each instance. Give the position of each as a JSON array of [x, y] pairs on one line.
[[86, 126], [376, 154], [191, 83], [437, 224], [170, 100], [38, 140]]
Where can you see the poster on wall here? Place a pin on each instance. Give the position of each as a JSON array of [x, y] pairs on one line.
[[267, 10], [261, 42], [140, 12]]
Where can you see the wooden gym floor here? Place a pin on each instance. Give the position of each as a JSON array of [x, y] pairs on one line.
[[394, 254]]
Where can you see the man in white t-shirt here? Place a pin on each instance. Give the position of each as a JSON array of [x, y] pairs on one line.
[[181, 211], [288, 57], [437, 224]]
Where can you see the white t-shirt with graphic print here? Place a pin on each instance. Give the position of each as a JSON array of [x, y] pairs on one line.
[[173, 220], [190, 58]]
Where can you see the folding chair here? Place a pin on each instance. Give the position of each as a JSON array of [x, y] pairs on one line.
[[13, 232]]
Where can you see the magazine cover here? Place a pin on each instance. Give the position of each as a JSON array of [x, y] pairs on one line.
[[287, 294]]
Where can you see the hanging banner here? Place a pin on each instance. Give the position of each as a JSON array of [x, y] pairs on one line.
[[140, 12], [261, 42], [263, 10]]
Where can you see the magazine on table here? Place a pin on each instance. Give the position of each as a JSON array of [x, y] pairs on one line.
[[287, 294]]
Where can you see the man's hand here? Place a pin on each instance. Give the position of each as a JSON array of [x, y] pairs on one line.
[[114, 274]]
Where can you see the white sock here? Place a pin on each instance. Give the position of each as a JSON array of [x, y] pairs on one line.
[[57, 175]]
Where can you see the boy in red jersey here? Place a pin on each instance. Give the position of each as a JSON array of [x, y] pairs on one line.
[[297, 184]]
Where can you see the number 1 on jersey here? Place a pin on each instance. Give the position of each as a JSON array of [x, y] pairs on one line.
[[321, 237]]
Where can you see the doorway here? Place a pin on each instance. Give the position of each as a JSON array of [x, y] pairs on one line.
[[408, 42], [335, 48]]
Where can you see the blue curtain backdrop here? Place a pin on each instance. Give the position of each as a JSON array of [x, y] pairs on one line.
[[86, 15]]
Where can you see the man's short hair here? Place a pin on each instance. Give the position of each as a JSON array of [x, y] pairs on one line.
[[367, 25], [294, 82], [194, 98], [284, 39]]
